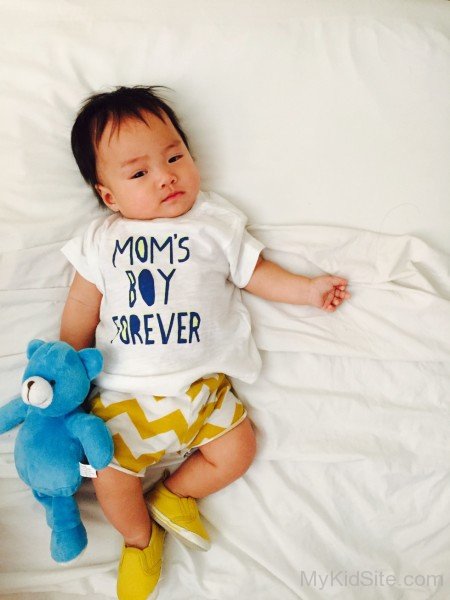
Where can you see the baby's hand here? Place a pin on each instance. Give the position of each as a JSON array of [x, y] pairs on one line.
[[328, 292]]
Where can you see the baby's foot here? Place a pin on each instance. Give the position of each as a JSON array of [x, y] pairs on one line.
[[179, 516]]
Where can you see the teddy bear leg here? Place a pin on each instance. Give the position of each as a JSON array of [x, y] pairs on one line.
[[69, 537], [47, 503]]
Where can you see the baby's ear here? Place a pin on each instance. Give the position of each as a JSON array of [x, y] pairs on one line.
[[92, 360], [106, 196], [33, 346]]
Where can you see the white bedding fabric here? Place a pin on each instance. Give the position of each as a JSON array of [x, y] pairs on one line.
[[327, 123], [352, 416]]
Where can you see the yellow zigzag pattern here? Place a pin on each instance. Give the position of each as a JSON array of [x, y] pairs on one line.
[[212, 383], [174, 421], [210, 431], [128, 461]]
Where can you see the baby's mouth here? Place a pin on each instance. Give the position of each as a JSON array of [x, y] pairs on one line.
[[173, 196]]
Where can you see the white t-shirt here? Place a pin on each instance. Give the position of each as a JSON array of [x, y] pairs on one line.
[[171, 310]]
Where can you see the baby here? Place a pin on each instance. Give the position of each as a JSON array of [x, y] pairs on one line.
[[157, 290]]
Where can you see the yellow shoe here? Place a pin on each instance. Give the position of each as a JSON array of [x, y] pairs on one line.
[[179, 516], [139, 570]]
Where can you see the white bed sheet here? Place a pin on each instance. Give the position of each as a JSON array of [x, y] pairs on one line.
[[352, 469], [329, 116]]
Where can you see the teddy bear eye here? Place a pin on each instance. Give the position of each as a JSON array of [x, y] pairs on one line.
[[52, 382]]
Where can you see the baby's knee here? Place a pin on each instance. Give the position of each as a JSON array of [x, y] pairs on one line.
[[245, 449], [233, 452], [250, 442]]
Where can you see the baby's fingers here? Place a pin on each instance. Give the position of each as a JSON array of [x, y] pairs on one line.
[[328, 300], [335, 299], [336, 302], [343, 295]]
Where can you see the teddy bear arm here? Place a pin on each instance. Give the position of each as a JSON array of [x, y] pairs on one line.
[[94, 437], [12, 414]]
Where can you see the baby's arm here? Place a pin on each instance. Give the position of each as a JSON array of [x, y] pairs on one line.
[[81, 314], [272, 282]]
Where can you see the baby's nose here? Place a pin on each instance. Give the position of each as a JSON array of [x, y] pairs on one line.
[[167, 178]]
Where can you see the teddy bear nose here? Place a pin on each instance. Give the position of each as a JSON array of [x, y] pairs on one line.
[[37, 391]]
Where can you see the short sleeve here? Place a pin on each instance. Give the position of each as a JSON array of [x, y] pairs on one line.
[[83, 253], [243, 255]]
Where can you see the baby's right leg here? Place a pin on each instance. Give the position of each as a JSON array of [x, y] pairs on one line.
[[122, 501]]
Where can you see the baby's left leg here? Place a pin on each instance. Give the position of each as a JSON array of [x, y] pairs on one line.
[[212, 467], [215, 464]]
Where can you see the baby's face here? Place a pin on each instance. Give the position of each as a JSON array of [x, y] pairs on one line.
[[145, 170]]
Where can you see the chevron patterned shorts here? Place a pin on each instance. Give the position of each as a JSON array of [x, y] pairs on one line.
[[150, 429]]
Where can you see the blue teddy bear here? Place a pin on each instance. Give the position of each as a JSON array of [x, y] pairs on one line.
[[57, 435]]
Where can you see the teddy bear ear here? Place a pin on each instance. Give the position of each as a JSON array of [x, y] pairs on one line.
[[33, 346], [92, 360]]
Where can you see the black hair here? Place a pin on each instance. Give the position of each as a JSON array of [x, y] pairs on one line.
[[97, 110]]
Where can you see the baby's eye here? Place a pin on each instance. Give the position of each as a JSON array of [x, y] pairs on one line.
[[173, 159], [138, 174]]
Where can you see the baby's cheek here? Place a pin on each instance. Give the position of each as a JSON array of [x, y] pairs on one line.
[[193, 173]]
